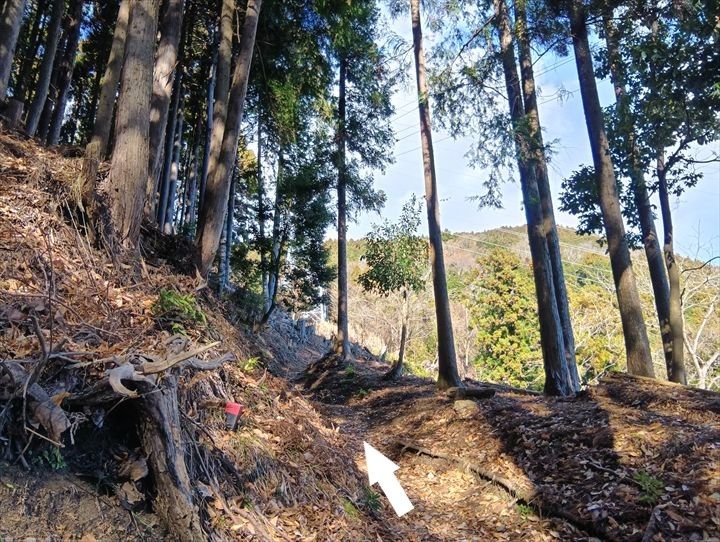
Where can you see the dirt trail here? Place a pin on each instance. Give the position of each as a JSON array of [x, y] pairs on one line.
[[627, 460]]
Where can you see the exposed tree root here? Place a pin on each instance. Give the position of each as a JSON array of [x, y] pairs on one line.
[[523, 493]]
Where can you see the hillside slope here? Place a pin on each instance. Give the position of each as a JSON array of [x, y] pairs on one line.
[[91, 355]]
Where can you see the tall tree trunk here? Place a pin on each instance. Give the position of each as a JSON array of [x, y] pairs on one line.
[[98, 146], [65, 73], [639, 360], [342, 338], [166, 62], [220, 83], [277, 231], [125, 184], [11, 14], [26, 74], [677, 371], [218, 187], [557, 376], [447, 362], [168, 218], [261, 218], [164, 185], [396, 370], [539, 162], [653, 252], [227, 239], [208, 123], [46, 68], [192, 188]]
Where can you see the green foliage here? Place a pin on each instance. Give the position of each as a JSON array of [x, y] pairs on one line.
[[397, 257], [524, 510], [349, 508], [372, 500], [251, 364], [504, 311], [171, 305], [651, 488], [52, 457]]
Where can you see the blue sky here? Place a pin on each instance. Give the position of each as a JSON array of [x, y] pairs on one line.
[[696, 213]]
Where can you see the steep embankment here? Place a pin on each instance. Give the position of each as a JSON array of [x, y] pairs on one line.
[[113, 382]]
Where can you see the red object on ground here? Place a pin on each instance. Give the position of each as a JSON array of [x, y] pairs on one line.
[[232, 412]]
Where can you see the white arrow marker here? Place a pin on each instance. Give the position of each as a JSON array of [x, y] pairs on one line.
[[381, 470]]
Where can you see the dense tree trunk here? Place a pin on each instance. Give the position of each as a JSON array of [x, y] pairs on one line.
[[277, 233], [65, 73], [160, 192], [125, 184], [639, 360], [653, 252], [539, 162], [98, 147], [164, 71], [46, 68], [447, 362], [27, 74], [11, 14], [192, 185], [218, 187], [677, 371], [208, 124], [220, 85], [342, 338], [557, 377], [168, 218], [261, 219], [227, 239], [396, 370]]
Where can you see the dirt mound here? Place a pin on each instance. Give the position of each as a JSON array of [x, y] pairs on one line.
[[117, 373]]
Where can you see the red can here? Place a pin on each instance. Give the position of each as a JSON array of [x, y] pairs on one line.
[[232, 412]]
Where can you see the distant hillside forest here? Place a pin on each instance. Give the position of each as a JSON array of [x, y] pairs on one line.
[[495, 313]]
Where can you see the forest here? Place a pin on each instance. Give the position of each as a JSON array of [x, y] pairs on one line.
[[193, 347]]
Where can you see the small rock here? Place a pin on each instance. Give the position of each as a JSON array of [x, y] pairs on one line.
[[466, 408]]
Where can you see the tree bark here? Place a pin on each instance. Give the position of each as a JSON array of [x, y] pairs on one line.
[[168, 218], [218, 187], [161, 437], [447, 362], [261, 219], [65, 73], [226, 240], [126, 182], [342, 337], [208, 123], [164, 185], [557, 377], [166, 59], [46, 68], [651, 243], [97, 148], [639, 360], [277, 232], [192, 187], [26, 75], [677, 370], [11, 15], [218, 104], [396, 370], [539, 162]]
